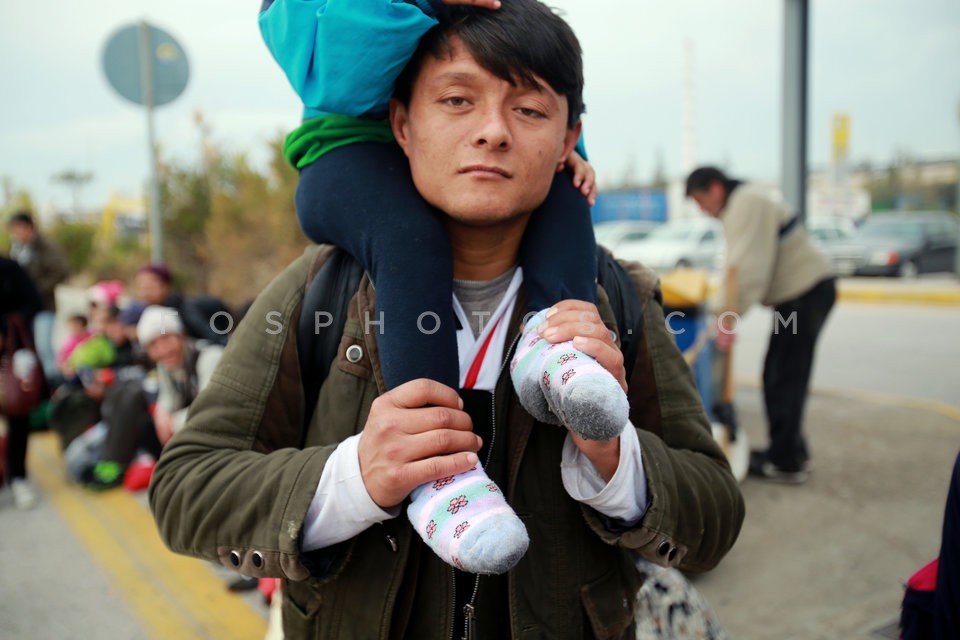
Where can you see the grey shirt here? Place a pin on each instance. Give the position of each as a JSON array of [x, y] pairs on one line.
[[480, 298]]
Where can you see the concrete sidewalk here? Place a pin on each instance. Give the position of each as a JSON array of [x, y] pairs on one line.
[[828, 559]]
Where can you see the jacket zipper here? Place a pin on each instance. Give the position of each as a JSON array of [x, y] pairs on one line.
[[469, 610]]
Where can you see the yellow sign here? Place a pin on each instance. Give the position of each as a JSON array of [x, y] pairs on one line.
[[841, 137]]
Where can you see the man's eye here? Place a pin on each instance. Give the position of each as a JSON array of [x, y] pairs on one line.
[[455, 101], [531, 113]]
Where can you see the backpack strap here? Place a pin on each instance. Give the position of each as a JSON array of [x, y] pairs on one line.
[[630, 287], [329, 291], [626, 303]]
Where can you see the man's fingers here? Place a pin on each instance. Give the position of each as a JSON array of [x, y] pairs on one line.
[[443, 442], [421, 393], [609, 357], [416, 473], [564, 325], [410, 422]]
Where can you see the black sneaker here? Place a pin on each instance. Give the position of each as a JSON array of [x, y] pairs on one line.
[[761, 467]]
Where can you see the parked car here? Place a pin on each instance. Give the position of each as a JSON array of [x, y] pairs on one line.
[[836, 238], [615, 233], [905, 244], [683, 243]]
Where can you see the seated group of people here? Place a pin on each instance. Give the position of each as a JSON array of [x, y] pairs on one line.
[[130, 370]]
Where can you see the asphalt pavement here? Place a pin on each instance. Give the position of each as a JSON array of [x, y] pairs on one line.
[[823, 560]]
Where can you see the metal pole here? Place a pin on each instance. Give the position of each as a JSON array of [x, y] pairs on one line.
[[794, 144], [146, 90]]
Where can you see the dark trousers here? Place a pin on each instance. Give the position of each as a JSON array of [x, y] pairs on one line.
[[18, 432], [361, 197], [787, 369], [129, 423]]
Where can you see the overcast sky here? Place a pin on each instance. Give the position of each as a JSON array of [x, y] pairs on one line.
[[892, 65]]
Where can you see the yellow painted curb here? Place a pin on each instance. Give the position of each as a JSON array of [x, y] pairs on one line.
[[172, 596], [938, 298]]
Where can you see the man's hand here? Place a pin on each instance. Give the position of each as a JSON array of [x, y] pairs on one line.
[[604, 456], [415, 433], [724, 340], [580, 322], [584, 177], [486, 4], [163, 424]]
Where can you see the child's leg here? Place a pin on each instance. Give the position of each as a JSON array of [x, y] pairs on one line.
[[559, 253], [377, 215], [361, 198], [558, 383]]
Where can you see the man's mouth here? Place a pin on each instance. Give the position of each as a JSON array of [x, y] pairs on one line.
[[483, 170]]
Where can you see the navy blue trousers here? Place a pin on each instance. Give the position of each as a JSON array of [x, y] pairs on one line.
[[361, 197]]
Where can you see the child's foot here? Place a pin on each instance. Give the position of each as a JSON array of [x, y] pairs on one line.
[[526, 369], [468, 523], [577, 391]]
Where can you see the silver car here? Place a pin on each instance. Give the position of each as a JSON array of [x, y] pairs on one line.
[[683, 243], [835, 237]]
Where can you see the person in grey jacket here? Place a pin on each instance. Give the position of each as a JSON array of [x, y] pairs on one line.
[[771, 261]]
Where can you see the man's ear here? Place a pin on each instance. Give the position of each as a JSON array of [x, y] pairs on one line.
[[570, 141], [399, 123]]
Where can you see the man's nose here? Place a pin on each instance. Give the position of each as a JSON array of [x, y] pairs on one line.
[[493, 131]]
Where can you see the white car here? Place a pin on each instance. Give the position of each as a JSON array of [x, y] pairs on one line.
[[616, 233], [694, 243]]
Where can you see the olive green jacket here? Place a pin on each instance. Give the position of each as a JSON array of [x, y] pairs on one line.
[[234, 487]]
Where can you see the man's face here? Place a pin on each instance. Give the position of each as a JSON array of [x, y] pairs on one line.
[[167, 350], [21, 232], [712, 199], [481, 150]]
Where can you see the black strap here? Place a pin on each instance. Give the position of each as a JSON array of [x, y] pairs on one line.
[[330, 291], [788, 226]]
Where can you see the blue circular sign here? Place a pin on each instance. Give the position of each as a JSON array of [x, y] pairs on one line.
[[165, 65]]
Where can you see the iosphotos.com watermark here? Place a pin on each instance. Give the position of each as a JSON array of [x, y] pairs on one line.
[[428, 323]]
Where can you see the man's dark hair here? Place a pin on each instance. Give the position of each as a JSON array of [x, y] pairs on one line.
[[520, 40], [701, 179], [22, 217]]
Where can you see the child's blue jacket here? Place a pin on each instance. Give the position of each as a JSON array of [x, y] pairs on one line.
[[344, 56]]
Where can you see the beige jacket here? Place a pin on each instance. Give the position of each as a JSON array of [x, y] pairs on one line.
[[770, 270]]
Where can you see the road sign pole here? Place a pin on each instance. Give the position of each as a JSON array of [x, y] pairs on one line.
[[794, 144], [146, 88]]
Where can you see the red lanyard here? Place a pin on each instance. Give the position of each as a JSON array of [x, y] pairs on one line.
[[474, 372]]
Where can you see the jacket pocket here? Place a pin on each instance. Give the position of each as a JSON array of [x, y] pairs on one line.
[[610, 603], [300, 610]]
